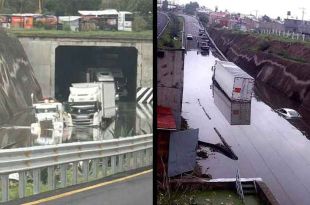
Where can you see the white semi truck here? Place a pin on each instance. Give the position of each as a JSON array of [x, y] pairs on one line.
[[50, 116], [237, 84], [90, 104]]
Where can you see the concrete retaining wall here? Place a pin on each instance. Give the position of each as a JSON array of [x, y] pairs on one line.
[[170, 74]]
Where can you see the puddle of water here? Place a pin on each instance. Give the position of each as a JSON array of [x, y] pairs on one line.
[[131, 119]]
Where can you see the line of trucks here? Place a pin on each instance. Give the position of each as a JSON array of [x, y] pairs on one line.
[[91, 103]]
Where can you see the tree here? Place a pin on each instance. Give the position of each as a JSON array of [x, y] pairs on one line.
[[203, 18], [191, 8], [165, 5], [266, 18]]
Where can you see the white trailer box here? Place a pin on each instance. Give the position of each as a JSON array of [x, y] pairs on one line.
[[236, 113], [237, 84]]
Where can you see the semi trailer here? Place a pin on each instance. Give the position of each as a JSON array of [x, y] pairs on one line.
[[236, 84]]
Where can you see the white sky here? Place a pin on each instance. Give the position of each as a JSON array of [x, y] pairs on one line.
[[272, 8]]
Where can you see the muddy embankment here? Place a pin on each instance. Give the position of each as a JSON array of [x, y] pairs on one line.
[[282, 65], [17, 80]]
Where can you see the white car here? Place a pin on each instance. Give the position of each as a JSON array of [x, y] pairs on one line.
[[288, 113], [189, 37]]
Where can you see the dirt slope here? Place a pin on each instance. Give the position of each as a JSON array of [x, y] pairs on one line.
[[283, 65], [17, 80]]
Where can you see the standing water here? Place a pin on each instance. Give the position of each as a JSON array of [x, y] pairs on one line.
[[269, 146]]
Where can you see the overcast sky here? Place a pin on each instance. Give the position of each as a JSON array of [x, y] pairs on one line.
[[271, 8]]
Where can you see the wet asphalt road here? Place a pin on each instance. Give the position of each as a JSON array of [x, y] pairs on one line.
[[138, 190], [161, 22], [270, 147]]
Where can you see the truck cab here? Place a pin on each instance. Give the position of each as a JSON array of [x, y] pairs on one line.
[[91, 103], [50, 114]]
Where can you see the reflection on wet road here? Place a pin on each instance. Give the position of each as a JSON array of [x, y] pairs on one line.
[[270, 147], [131, 119]]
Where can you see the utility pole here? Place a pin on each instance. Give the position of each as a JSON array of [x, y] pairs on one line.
[[303, 13], [2, 5], [256, 11], [40, 6]]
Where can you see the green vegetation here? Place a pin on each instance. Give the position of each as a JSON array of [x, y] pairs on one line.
[[269, 37], [165, 5], [191, 8], [203, 18], [172, 36], [139, 24], [196, 197], [87, 34]]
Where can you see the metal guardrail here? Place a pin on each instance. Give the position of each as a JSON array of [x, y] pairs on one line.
[[50, 167], [168, 21]]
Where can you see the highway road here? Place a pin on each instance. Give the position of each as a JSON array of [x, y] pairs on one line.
[[162, 20], [270, 147], [133, 189]]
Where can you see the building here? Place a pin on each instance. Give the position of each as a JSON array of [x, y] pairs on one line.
[[23, 20], [216, 17], [297, 26], [176, 150], [71, 21]]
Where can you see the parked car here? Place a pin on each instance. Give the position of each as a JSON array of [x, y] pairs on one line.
[[288, 113], [201, 32], [189, 37], [204, 37], [204, 46]]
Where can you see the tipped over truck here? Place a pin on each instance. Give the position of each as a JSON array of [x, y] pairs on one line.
[[236, 83]]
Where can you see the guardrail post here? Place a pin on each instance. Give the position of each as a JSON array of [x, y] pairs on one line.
[[5, 187], [140, 157], [113, 164], [51, 177], [36, 181], [128, 160], [120, 162], [146, 157], [151, 156], [135, 160], [104, 166], [74, 173], [85, 170], [21, 184], [63, 175], [95, 167]]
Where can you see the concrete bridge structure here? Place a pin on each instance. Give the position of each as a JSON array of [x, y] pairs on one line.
[[42, 52]]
